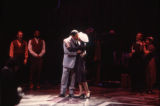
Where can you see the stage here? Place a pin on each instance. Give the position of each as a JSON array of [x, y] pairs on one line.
[[100, 97]]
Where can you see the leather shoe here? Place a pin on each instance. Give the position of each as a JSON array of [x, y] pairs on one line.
[[61, 95], [71, 96]]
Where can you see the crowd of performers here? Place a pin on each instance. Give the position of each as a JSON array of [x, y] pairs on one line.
[[143, 64], [80, 51], [12, 74], [137, 62], [19, 49]]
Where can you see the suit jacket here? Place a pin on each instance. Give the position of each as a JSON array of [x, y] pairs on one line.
[[69, 46]]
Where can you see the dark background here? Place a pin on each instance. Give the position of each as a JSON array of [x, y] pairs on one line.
[[56, 18]]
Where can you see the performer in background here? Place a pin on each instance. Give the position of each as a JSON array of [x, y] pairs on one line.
[[137, 64], [8, 84], [93, 57], [69, 59], [36, 47], [19, 51], [151, 64], [80, 67]]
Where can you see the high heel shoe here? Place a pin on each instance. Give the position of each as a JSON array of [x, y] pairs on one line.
[[82, 96], [88, 95]]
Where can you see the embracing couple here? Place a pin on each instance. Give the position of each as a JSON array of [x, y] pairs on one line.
[[74, 65]]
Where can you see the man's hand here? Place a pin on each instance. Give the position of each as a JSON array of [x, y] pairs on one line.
[[11, 57], [38, 56], [79, 51], [25, 61], [83, 54]]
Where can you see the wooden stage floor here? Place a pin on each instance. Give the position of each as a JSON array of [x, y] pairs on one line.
[[100, 97]]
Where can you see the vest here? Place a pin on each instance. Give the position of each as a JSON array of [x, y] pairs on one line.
[[37, 47], [19, 51]]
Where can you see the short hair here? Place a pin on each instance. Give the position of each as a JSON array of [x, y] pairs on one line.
[[36, 31], [19, 31], [73, 32]]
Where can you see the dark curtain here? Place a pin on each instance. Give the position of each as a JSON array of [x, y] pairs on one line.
[[55, 21]]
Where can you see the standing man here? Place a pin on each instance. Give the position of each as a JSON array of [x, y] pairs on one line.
[[36, 47], [70, 51], [137, 64], [19, 51]]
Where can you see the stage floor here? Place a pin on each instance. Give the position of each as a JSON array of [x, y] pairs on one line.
[[100, 97]]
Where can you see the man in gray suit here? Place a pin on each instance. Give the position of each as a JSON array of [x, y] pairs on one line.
[[70, 52]]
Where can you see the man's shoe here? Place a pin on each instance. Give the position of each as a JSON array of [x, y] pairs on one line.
[[61, 95], [71, 96], [38, 87], [34, 88], [31, 86]]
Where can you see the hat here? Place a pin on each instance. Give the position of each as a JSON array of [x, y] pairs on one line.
[[73, 32], [83, 37]]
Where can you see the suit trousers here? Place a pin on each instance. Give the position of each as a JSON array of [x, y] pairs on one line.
[[36, 68], [67, 72]]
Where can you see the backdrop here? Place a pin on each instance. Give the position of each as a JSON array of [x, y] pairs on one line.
[[55, 20]]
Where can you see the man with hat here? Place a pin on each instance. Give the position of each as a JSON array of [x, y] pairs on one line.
[[70, 52]]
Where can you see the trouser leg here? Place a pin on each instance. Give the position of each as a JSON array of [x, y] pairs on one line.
[[72, 84], [32, 71], [38, 73], [64, 80]]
